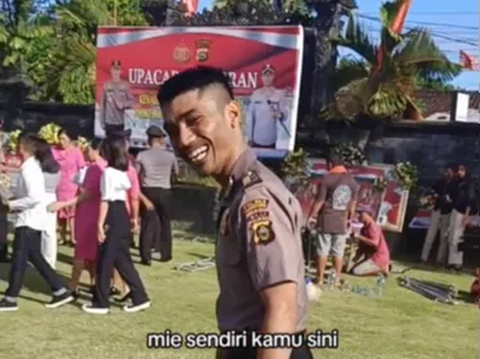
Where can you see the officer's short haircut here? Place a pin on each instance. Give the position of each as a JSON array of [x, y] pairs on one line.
[[197, 78]]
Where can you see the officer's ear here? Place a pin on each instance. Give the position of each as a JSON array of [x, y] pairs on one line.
[[234, 114]]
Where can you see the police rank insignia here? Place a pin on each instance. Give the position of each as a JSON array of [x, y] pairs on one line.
[[203, 48], [262, 232]]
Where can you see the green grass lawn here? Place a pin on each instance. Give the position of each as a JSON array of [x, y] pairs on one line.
[[399, 325]]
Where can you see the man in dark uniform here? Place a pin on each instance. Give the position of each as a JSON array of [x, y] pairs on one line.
[[117, 97], [155, 167], [259, 256]]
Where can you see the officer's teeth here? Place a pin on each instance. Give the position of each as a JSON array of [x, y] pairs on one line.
[[199, 154]]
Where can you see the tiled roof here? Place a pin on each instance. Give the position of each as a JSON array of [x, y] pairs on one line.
[[441, 101]]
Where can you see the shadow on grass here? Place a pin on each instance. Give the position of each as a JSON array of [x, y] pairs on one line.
[[198, 255], [33, 281], [414, 263], [466, 297]]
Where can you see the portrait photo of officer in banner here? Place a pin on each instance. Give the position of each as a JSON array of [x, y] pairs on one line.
[[268, 116], [117, 98]]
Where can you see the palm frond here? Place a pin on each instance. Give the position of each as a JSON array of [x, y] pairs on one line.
[[357, 39], [349, 69]]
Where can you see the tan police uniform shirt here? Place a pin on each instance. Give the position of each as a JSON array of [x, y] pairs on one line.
[[116, 98], [258, 245]]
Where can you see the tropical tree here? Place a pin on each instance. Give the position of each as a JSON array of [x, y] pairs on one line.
[[381, 81], [25, 31], [72, 70]]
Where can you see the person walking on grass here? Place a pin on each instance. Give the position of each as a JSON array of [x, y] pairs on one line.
[[114, 234], [29, 204]]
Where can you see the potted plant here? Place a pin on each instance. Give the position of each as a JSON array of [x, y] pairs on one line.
[[12, 157], [407, 175], [351, 154]]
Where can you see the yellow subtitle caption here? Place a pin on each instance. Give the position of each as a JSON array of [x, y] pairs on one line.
[[171, 340]]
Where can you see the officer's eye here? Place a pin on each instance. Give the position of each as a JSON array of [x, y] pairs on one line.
[[191, 121]]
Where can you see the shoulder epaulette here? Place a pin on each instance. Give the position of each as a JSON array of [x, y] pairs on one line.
[[251, 179]]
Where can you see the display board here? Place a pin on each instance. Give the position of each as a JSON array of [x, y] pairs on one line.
[[264, 65], [389, 203]]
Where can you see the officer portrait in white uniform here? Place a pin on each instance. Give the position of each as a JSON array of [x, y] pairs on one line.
[[267, 113]]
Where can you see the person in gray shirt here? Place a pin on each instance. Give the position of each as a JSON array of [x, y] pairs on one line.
[[52, 175], [155, 167]]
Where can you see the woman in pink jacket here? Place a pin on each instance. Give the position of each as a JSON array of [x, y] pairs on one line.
[[71, 160]]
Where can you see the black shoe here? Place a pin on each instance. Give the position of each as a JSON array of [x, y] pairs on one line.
[[114, 291], [6, 306], [124, 298], [147, 263], [165, 260], [59, 300]]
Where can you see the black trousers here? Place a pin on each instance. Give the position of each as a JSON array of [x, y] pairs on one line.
[[156, 228], [114, 252], [3, 235], [113, 129], [251, 353], [27, 248]]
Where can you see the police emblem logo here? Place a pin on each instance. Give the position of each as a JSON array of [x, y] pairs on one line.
[[203, 48], [181, 53], [262, 232]]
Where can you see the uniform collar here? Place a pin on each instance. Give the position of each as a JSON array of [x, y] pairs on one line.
[[240, 169], [243, 164]]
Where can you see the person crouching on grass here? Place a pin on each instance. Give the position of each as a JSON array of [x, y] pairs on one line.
[[29, 203], [373, 255], [114, 233]]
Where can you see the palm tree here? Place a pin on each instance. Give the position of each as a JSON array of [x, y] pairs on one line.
[[386, 88]]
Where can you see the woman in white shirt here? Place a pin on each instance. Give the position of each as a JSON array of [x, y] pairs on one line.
[[114, 234], [52, 175]]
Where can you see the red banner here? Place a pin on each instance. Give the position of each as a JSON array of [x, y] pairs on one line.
[[389, 202], [263, 63]]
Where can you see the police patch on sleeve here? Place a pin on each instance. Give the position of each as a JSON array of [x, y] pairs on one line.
[[262, 231], [254, 206]]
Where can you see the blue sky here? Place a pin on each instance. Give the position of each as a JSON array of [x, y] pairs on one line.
[[445, 18]]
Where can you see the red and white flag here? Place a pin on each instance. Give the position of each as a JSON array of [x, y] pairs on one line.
[[191, 5], [468, 61]]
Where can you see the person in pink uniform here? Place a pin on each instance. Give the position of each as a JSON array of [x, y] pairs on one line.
[[373, 255], [71, 160], [87, 204]]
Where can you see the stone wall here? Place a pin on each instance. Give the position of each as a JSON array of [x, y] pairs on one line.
[[79, 119], [429, 147]]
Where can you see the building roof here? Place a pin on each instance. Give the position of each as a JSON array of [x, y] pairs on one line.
[[442, 101]]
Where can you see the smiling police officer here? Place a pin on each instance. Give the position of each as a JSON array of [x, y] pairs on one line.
[[258, 252]]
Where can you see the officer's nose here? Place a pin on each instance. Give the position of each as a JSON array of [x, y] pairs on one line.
[[185, 137]]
